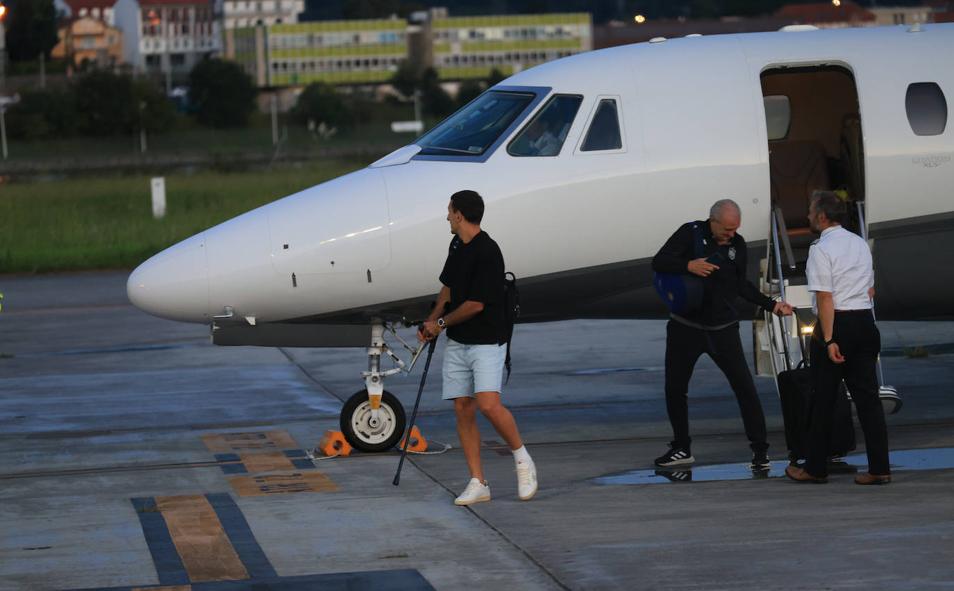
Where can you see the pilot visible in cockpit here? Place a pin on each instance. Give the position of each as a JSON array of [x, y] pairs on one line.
[[538, 140]]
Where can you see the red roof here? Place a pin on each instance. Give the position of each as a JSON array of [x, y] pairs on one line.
[[825, 12], [75, 5]]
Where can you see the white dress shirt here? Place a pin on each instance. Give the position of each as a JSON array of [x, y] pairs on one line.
[[840, 263]]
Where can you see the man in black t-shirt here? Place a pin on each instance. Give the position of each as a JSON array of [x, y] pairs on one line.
[[473, 295], [713, 328]]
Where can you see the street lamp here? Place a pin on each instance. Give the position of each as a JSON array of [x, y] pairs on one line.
[[640, 19]]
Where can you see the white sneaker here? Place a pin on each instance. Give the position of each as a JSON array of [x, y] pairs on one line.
[[526, 480], [476, 492]]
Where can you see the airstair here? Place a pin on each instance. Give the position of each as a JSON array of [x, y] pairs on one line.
[[782, 343]]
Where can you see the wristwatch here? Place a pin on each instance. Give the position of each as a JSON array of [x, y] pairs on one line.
[[829, 343], [441, 324]]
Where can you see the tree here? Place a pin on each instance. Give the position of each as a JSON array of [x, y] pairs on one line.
[[362, 9], [222, 93], [42, 114], [106, 103], [468, 91], [31, 29], [406, 79], [434, 99], [111, 104], [320, 103], [496, 77]]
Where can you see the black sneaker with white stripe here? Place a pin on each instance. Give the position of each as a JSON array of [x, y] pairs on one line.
[[675, 457], [760, 462]]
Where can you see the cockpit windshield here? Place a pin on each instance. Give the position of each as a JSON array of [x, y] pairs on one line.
[[473, 129]]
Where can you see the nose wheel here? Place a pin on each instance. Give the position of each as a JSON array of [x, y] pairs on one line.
[[372, 431]]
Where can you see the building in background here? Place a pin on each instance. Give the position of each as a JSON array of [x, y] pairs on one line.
[[89, 41], [335, 52], [168, 37], [901, 15], [98, 9], [369, 51], [471, 47], [249, 13], [828, 15]]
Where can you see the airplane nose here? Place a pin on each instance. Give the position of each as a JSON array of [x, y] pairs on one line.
[[173, 284]]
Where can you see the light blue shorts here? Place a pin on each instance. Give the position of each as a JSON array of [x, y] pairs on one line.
[[469, 369]]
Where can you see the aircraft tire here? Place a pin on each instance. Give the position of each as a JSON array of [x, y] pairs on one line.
[[354, 422]]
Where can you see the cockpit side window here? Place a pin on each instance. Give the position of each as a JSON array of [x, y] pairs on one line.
[[604, 130], [473, 129], [546, 132]]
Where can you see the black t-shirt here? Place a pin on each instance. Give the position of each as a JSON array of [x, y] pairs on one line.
[[475, 272], [723, 286]]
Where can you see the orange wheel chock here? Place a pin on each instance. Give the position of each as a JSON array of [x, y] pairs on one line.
[[418, 443], [334, 444]]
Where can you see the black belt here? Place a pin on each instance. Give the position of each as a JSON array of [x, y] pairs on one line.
[[854, 312]]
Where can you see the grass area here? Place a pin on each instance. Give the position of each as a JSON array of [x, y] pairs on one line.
[[188, 138], [102, 223]]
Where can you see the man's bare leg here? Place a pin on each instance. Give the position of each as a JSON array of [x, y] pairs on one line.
[[466, 410], [500, 417]]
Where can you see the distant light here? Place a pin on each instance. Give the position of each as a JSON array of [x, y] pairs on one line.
[[836, 2], [808, 329], [640, 19], [3, 11]]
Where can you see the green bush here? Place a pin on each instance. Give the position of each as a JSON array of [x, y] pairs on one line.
[[222, 93], [42, 114], [320, 103], [113, 104]]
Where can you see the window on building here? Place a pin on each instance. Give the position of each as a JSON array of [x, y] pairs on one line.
[[473, 129], [546, 132], [177, 59], [927, 108], [604, 133]]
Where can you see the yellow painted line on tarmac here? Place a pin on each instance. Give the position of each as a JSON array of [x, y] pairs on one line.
[[199, 538], [276, 484], [249, 442]]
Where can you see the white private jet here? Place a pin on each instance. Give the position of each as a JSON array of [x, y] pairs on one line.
[[587, 165]]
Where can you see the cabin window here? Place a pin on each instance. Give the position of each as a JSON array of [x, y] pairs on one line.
[[546, 132], [927, 108], [604, 130], [778, 116], [473, 129]]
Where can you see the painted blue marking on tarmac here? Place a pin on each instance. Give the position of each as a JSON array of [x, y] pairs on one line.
[[166, 558], [381, 580], [234, 468], [941, 458], [295, 453], [240, 534], [305, 464], [227, 458]]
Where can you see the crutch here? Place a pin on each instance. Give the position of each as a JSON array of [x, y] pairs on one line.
[[410, 427]]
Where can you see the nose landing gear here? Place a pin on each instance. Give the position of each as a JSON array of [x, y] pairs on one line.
[[373, 419]]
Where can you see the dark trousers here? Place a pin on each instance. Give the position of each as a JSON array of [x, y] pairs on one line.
[[860, 342], [684, 345]]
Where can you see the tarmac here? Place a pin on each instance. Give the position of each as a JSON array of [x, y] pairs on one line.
[[134, 454]]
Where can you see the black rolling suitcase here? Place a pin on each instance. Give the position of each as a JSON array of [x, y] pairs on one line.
[[795, 391]]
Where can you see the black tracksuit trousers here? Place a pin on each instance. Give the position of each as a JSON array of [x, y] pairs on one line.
[[684, 346], [860, 342]]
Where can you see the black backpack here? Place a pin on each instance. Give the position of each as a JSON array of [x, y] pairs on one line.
[[511, 312]]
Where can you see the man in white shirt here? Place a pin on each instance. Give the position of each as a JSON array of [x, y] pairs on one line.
[[845, 344]]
